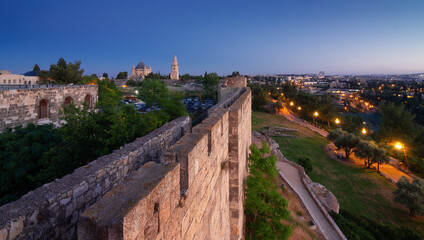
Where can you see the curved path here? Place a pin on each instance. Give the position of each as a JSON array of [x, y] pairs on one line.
[[292, 176], [291, 117]]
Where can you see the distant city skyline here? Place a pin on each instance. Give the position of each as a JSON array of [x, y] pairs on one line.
[[252, 37]]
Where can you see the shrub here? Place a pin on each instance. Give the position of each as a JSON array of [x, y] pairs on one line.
[[306, 163]]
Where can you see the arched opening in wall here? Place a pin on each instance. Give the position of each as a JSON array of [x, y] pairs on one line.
[[156, 213], [25, 82], [68, 101], [29, 82], [87, 100], [43, 109]]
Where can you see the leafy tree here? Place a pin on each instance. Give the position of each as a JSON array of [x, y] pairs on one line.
[[210, 81], [397, 124], [66, 73], [265, 208], [105, 75], [21, 154], [352, 123], [132, 83], [122, 75], [94, 75], [235, 73], [306, 163], [328, 109], [259, 97], [411, 195], [372, 153], [152, 91], [344, 140], [44, 77], [36, 68], [153, 76]]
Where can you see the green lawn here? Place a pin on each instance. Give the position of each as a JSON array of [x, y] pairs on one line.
[[358, 190]]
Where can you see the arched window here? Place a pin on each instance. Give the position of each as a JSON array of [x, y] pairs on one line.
[[25, 82], [19, 80], [4, 81], [68, 101], [9, 81], [43, 109], [14, 80], [87, 100], [29, 82]]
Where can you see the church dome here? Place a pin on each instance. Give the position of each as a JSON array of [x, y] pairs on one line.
[[141, 65]]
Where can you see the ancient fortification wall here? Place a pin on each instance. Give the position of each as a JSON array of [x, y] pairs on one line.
[[22, 106], [52, 211], [196, 192]]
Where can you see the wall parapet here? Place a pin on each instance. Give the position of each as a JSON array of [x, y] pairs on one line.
[[206, 196], [52, 211]]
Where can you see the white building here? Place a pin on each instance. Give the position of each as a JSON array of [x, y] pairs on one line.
[[7, 78]]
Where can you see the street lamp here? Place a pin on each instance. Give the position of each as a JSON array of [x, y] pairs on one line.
[[291, 103], [299, 108], [400, 146], [337, 121], [136, 92], [364, 131], [315, 116]]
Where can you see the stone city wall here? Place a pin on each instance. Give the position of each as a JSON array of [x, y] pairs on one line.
[[196, 192], [21, 106], [52, 211]]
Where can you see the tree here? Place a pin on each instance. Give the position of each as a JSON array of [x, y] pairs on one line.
[[44, 77], [235, 73], [122, 75], [333, 135], [153, 76], [94, 75], [259, 97], [210, 81], [372, 153], [411, 195], [397, 124], [265, 208], [152, 91], [347, 142], [66, 73], [36, 68], [328, 109], [105, 75]]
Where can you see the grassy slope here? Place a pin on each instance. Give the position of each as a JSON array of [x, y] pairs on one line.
[[358, 190]]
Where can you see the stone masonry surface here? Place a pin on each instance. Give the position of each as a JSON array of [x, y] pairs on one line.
[[20, 106], [195, 192], [52, 211]]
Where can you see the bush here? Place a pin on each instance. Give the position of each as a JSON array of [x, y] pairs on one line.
[[265, 208], [306, 163]]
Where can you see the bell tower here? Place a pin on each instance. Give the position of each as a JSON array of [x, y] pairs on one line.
[[174, 69]]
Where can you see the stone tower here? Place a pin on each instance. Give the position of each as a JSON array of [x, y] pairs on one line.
[[174, 73]]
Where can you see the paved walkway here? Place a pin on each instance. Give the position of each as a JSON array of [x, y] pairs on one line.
[[291, 117], [292, 176]]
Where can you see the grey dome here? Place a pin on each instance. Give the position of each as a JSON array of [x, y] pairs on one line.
[[141, 65]]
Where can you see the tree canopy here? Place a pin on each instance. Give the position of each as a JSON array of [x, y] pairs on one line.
[[122, 75], [36, 68], [411, 195], [65, 73]]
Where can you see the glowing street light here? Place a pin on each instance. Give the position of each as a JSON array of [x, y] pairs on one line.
[[291, 103], [136, 92], [299, 108], [364, 131], [400, 146], [315, 116], [337, 121]]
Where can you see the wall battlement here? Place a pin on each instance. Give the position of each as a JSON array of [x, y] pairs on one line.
[[201, 197], [52, 211], [190, 188]]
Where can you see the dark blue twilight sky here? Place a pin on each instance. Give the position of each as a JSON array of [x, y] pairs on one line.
[[253, 37]]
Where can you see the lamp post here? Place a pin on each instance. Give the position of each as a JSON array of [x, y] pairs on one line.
[[292, 103], [337, 121], [364, 131], [315, 116], [400, 146]]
